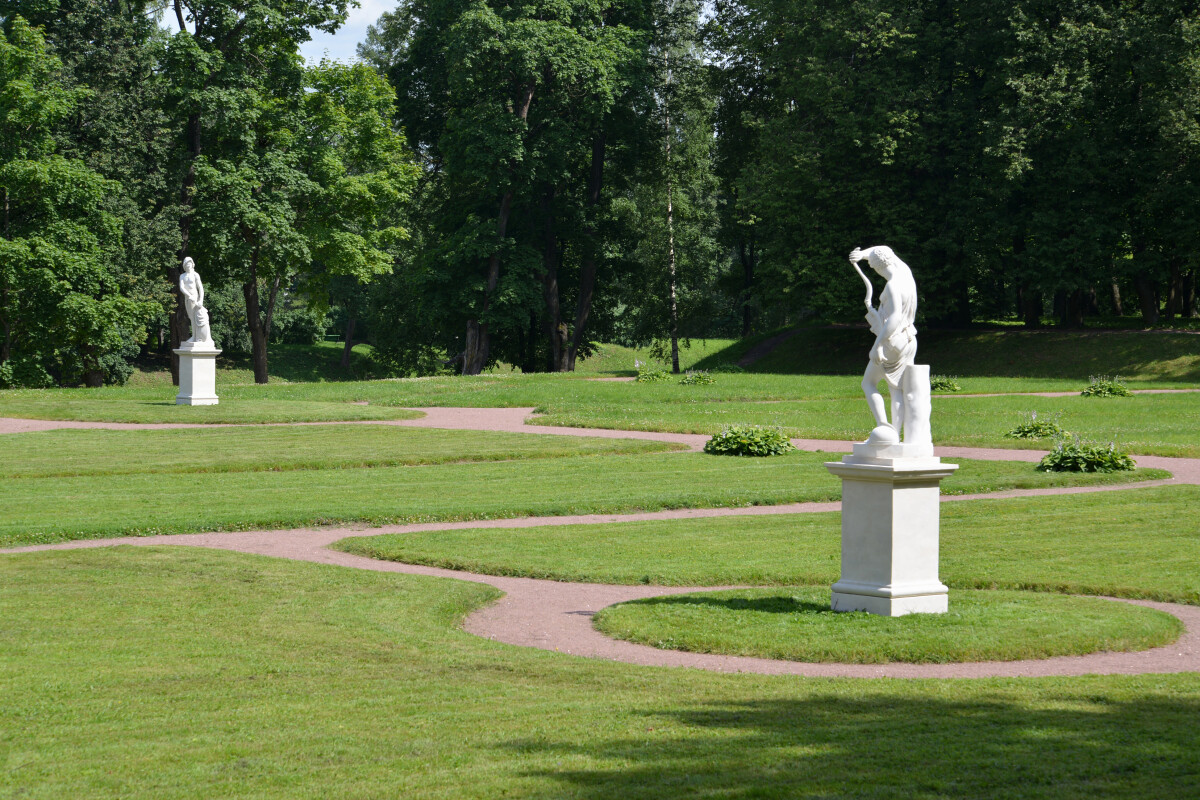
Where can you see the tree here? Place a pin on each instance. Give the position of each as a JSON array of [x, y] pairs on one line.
[[62, 314], [309, 185]]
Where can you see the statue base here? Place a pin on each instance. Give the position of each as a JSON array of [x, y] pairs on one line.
[[890, 529], [197, 374]]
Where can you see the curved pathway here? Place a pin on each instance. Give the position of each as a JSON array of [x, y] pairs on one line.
[[553, 615], [557, 616]]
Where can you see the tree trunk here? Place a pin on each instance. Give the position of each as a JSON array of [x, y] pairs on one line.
[[1073, 307], [673, 304], [475, 356], [1147, 298], [254, 320], [345, 362], [554, 324], [1189, 306], [1118, 309], [587, 272], [1031, 307], [746, 255], [1175, 290]]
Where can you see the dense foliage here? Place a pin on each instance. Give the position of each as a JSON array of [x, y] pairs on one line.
[[626, 170]]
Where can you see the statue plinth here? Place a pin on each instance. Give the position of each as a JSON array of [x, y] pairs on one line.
[[197, 374], [890, 529]]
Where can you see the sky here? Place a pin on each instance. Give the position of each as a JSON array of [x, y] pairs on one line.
[[341, 45]]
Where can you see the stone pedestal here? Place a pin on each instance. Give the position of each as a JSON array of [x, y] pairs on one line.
[[197, 375], [890, 514]]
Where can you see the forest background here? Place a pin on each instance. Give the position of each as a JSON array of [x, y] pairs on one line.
[[513, 181]]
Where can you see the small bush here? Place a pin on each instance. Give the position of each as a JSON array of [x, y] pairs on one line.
[[649, 374], [728, 366], [698, 378], [1072, 455], [749, 440], [1034, 428], [1103, 386], [944, 383]]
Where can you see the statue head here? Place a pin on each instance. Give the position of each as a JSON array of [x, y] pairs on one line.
[[188, 264], [883, 261]]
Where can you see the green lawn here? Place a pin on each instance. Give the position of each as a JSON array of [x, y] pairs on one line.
[[137, 500], [795, 623], [100, 452], [811, 406], [1143, 544], [169, 673]]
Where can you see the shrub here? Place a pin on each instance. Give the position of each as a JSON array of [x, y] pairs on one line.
[[698, 378], [649, 374], [944, 383], [749, 440], [1072, 455], [1034, 428], [728, 366], [1103, 386]]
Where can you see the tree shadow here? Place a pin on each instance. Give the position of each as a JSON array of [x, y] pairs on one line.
[[776, 604], [1009, 743]]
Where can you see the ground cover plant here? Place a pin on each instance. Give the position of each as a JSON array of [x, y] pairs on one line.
[[176, 673], [795, 623], [944, 383], [1104, 386], [750, 440], [697, 378], [1033, 428], [1074, 455], [137, 501], [1069, 543]]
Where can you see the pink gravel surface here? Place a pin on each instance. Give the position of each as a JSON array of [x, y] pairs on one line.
[[556, 616]]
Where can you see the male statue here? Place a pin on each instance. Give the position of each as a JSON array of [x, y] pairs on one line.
[[193, 299], [895, 347]]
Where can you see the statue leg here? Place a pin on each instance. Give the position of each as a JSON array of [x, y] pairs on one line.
[[870, 387]]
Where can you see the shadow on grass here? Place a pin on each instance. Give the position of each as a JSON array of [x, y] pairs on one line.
[[890, 745], [778, 604]]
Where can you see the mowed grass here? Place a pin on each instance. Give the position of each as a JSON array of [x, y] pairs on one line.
[[1143, 544], [145, 502], [813, 406], [168, 673], [103, 452], [795, 623]]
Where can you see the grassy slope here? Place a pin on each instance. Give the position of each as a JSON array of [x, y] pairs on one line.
[[1145, 544], [797, 624], [48, 509], [183, 674], [1048, 355]]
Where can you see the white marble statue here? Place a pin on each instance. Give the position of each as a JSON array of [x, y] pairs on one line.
[[192, 290], [895, 347]]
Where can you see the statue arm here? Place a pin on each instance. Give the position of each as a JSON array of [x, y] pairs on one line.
[[199, 291]]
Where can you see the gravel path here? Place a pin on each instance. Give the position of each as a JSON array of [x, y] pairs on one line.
[[556, 616], [551, 615]]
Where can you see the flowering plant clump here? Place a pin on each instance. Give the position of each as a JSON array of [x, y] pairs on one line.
[[749, 440], [944, 383], [697, 378], [1104, 386], [649, 374], [1034, 428], [1073, 455]]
